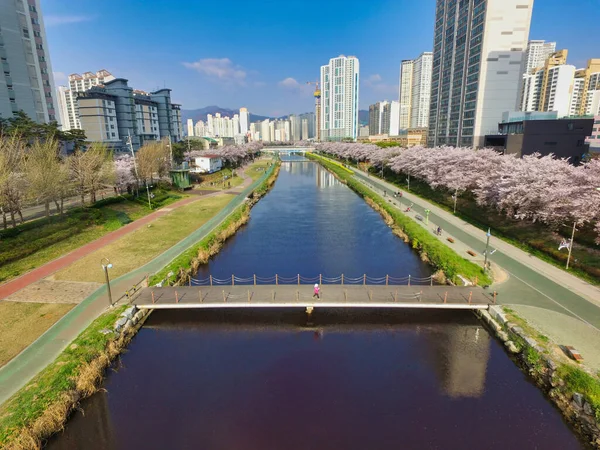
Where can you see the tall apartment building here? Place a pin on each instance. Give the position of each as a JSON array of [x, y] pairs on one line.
[[295, 127], [311, 125], [98, 117], [479, 51], [405, 95], [67, 97], [549, 87], [384, 118], [116, 114], [146, 117], [376, 118], [538, 51], [339, 98], [244, 120], [590, 77], [392, 112], [415, 91], [26, 79], [190, 127]]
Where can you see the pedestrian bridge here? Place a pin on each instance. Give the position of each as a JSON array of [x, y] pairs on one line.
[[285, 150], [298, 292]]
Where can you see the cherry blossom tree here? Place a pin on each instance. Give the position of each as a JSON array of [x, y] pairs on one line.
[[540, 189]]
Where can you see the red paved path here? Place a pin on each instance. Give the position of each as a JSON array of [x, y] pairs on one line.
[[55, 265]]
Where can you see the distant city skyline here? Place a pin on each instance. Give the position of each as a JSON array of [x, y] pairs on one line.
[[231, 72]]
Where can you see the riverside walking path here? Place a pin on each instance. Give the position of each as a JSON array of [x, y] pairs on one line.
[[22, 368], [558, 304]]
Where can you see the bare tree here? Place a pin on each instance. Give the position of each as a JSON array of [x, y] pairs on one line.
[[43, 170], [153, 159], [91, 170], [13, 185]]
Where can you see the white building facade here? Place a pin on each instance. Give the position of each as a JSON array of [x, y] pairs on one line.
[[479, 52], [67, 98], [537, 53], [415, 91], [339, 98]]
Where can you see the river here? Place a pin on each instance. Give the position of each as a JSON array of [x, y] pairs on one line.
[[346, 380]]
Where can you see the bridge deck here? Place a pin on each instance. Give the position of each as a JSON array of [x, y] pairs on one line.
[[332, 296]]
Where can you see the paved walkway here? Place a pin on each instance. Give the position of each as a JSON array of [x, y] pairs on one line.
[[17, 372], [560, 305]]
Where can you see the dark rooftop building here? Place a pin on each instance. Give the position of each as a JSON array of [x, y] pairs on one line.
[[565, 138]]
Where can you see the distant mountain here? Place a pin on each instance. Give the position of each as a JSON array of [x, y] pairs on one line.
[[200, 114], [363, 116]]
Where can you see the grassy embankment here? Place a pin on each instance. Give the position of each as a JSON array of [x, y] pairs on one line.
[[214, 181], [144, 244], [439, 255], [534, 238], [41, 407], [188, 262], [35, 243]]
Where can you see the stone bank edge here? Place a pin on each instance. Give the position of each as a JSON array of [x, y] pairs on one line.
[[553, 377]]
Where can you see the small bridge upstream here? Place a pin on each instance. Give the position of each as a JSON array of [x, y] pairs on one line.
[[298, 292]]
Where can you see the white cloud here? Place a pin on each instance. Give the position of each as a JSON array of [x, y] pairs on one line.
[[60, 77], [221, 70], [289, 83], [292, 85], [376, 84], [54, 20]]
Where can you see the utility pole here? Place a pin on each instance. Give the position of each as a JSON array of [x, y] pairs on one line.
[[171, 148], [137, 175], [487, 249], [571, 243]]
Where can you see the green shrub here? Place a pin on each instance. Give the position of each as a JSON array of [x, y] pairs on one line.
[[577, 380]]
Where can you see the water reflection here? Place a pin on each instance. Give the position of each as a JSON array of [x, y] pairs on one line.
[[353, 380], [459, 356]]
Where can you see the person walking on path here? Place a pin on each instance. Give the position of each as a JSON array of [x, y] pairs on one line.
[[317, 291]]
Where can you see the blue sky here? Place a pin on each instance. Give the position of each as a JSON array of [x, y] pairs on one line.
[[260, 54]]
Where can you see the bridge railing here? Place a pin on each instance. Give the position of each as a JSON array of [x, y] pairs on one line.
[[277, 279]]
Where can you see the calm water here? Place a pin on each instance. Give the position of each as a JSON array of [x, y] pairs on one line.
[[347, 380]]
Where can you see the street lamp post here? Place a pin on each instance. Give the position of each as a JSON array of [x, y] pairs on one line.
[[408, 180], [487, 249], [572, 239], [107, 266], [427, 211], [455, 196], [571, 243], [148, 191]]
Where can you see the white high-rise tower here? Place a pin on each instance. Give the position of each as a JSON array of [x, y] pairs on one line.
[[339, 98], [244, 120]]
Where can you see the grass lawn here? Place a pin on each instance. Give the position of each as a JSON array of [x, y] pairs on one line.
[[142, 245], [23, 323], [214, 181], [257, 169], [37, 242]]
